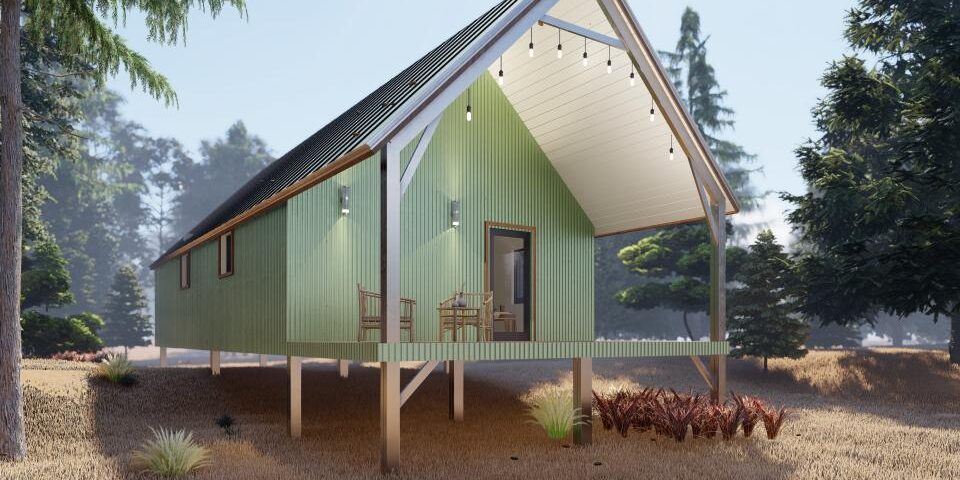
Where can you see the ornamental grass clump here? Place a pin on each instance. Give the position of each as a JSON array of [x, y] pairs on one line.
[[750, 411], [617, 411], [773, 420], [116, 369], [171, 454], [553, 410]]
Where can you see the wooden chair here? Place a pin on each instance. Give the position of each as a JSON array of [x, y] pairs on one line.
[[482, 320], [371, 318]]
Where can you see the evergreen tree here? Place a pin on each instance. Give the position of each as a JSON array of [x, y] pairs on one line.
[[832, 335], [46, 282], [763, 320], [225, 165], [675, 264], [125, 322], [881, 214]]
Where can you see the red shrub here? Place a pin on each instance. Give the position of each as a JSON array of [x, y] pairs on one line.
[[773, 421], [73, 356], [616, 411], [728, 420], [676, 413], [750, 409]]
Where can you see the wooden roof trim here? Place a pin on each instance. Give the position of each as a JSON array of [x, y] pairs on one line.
[[348, 160], [659, 225]]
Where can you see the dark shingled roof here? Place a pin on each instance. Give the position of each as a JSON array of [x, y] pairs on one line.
[[346, 132]]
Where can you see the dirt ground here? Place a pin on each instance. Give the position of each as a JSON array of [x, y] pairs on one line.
[[870, 414]]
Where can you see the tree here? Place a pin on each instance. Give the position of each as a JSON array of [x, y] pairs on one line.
[[46, 281], [225, 165], [78, 29], [125, 322], [832, 335], [45, 335], [675, 264], [763, 321], [881, 215]]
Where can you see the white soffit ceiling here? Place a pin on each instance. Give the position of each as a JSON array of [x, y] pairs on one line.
[[595, 127]]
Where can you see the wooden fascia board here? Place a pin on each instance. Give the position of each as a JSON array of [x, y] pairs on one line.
[[346, 161]]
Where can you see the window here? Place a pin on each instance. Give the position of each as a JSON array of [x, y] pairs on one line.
[[225, 258], [185, 270]]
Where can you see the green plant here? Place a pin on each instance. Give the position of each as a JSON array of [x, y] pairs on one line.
[[171, 454], [227, 424], [773, 421], [116, 369], [45, 335], [553, 410]]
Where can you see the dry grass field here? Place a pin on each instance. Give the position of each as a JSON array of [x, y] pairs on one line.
[[871, 414]]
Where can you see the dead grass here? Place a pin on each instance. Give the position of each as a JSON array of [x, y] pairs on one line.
[[866, 414]]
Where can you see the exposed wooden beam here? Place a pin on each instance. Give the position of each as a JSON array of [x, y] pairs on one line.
[[417, 380], [456, 390], [421, 149], [583, 399], [215, 362], [582, 31], [294, 366], [390, 305], [702, 369], [718, 300]]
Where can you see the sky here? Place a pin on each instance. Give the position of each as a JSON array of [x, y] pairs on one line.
[[289, 67]]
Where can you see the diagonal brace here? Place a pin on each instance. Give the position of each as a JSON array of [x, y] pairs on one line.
[[417, 155], [418, 379], [703, 370]]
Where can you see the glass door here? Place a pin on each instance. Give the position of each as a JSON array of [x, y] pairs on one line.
[[510, 278]]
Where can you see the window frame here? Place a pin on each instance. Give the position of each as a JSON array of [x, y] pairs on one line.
[[231, 254], [184, 259]]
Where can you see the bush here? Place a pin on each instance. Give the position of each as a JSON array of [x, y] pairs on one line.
[[553, 410], [74, 356], [116, 369], [171, 454], [773, 421], [45, 335], [228, 424]]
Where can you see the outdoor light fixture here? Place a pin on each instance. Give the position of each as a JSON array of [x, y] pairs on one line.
[[469, 113], [455, 213], [344, 200], [633, 80], [559, 45], [530, 51], [585, 61], [500, 75], [652, 112], [609, 63], [671, 147]]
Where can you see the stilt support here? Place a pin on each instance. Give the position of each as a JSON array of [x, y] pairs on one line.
[[215, 362], [389, 416], [343, 366], [263, 360], [456, 390], [583, 399], [163, 357], [294, 367]]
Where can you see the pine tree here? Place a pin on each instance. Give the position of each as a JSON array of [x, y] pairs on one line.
[[125, 323], [763, 321], [46, 281]]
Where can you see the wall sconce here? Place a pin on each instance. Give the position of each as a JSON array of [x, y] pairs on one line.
[[455, 213], [344, 200]]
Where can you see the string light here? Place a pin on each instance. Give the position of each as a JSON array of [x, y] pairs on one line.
[[530, 51], [469, 112], [633, 81], [671, 147], [500, 75], [652, 111], [609, 62], [559, 45], [585, 61]]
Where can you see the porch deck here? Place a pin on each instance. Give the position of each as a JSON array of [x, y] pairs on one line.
[[478, 351]]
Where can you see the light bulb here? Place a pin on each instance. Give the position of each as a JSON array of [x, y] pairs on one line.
[[609, 66], [530, 51], [500, 78], [652, 116], [559, 51], [633, 81], [671, 153], [585, 61], [469, 114]]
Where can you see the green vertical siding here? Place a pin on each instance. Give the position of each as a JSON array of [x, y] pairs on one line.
[[245, 312], [498, 172]]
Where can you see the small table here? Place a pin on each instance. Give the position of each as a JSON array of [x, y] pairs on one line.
[[459, 315], [509, 320]]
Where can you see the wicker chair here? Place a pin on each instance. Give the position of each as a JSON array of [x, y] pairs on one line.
[[371, 318], [482, 322]]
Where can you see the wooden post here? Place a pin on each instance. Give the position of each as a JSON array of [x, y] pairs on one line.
[[294, 367], [583, 399], [215, 362], [163, 357], [390, 305], [263, 360], [456, 390], [343, 367], [718, 296]]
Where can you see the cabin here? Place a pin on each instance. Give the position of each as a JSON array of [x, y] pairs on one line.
[[450, 216]]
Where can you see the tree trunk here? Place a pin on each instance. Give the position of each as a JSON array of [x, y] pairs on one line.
[[12, 442], [955, 339], [764, 365], [686, 325], [897, 335]]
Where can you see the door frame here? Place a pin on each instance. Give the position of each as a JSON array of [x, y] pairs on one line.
[[532, 294]]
